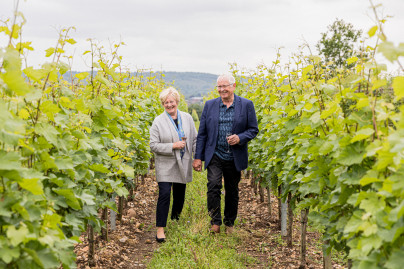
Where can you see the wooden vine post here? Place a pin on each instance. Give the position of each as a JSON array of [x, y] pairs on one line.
[[326, 257], [91, 246], [303, 220], [290, 221], [104, 230], [279, 208], [269, 201], [120, 207], [261, 190], [112, 215], [284, 217], [254, 185]]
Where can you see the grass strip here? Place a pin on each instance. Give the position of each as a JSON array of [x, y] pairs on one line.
[[189, 243]]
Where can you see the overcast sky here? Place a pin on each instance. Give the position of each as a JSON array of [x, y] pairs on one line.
[[186, 35]]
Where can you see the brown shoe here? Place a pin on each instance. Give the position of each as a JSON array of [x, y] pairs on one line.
[[229, 229], [215, 229]]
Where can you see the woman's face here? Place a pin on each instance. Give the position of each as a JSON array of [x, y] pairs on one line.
[[170, 105]]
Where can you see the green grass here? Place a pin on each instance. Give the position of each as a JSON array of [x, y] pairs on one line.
[[189, 243]]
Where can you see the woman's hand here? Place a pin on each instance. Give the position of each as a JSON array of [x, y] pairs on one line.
[[179, 145]]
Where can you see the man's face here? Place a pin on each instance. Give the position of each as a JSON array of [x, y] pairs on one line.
[[225, 89]]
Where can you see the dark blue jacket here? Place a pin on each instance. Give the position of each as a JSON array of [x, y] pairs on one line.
[[244, 125]]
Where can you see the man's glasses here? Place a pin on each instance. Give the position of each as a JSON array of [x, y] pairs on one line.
[[223, 86]]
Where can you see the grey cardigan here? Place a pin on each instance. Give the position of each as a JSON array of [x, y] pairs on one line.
[[169, 166]]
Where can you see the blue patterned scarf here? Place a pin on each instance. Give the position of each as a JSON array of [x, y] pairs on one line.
[[179, 129]]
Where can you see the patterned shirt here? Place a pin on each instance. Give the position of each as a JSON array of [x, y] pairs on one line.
[[226, 118]]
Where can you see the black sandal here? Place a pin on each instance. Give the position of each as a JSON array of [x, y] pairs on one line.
[[160, 240]]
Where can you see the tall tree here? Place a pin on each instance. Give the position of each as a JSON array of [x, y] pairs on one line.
[[338, 43]]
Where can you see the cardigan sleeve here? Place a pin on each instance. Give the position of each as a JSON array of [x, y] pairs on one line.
[[156, 145]]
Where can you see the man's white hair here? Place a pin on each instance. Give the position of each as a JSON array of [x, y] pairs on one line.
[[229, 77]]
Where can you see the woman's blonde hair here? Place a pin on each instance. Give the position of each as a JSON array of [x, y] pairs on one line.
[[170, 91]]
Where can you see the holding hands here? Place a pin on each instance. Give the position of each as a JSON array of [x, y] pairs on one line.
[[197, 165]]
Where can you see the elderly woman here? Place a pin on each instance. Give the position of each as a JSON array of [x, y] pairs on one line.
[[173, 141]]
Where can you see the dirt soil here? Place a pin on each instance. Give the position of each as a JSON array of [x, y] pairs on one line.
[[262, 236], [132, 244]]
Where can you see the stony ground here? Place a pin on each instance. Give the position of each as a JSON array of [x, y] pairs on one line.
[[132, 244]]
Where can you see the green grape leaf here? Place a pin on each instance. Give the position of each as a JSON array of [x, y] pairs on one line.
[[87, 198], [71, 41], [82, 75], [397, 212], [9, 161], [363, 102], [351, 155], [353, 225], [35, 74], [389, 51], [71, 199], [49, 52], [396, 260], [398, 86], [8, 254], [50, 109], [34, 256], [352, 60], [316, 117], [372, 31], [63, 68], [369, 243], [368, 228], [34, 185], [326, 113], [12, 76], [48, 258], [17, 236], [372, 204], [48, 131], [64, 162], [128, 171], [385, 159], [362, 134], [99, 168], [52, 221]]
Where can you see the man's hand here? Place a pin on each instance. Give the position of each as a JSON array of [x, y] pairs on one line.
[[233, 140], [197, 165]]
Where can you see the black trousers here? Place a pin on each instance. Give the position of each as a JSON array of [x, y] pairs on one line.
[[216, 169], [163, 202]]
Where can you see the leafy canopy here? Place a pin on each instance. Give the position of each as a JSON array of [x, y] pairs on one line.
[[337, 44]]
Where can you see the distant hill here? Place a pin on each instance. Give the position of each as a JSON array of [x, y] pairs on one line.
[[191, 84]]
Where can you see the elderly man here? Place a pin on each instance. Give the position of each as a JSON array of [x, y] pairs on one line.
[[227, 124]]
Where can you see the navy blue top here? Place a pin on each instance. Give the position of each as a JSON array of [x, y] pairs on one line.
[[245, 125], [226, 118]]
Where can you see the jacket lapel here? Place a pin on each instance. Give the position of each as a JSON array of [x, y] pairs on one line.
[[237, 110], [215, 118]]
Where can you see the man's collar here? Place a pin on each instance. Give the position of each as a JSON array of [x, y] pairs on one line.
[[222, 104]]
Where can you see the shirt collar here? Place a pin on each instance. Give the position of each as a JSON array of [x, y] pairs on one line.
[[221, 103]]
